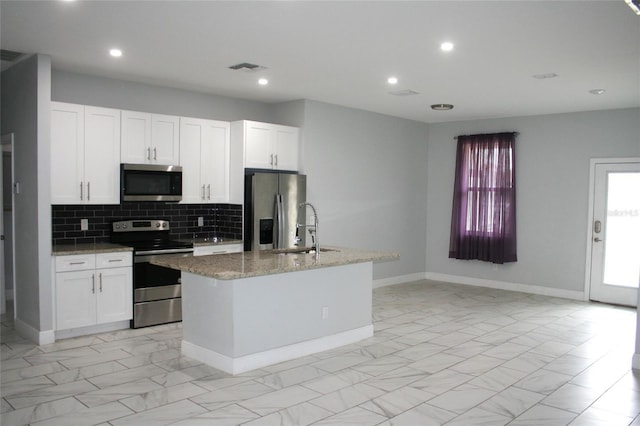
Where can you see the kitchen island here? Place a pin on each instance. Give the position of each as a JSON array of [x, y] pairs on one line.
[[243, 311]]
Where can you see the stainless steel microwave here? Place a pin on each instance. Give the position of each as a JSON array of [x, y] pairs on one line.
[[150, 182]]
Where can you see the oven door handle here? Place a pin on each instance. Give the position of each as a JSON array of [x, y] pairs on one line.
[[164, 251], [148, 258]]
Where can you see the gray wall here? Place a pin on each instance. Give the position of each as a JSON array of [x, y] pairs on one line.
[[100, 91], [26, 89], [367, 176], [552, 178]]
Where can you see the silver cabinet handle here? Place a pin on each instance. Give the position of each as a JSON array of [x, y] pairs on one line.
[[88, 191], [155, 154], [209, 192], [276, 160], [203, 192], [597, 240], [93, 283], [272, 159], [115, 260], [81, 192], [100, 282], [76, 263], [148, 153]]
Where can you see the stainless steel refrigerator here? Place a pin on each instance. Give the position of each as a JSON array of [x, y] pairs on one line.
[[272, 210]]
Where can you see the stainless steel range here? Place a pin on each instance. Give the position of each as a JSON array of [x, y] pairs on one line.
[[157, 291]]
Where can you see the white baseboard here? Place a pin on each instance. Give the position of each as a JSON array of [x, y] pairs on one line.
[[273, 356], [36, 336], [92, 329], [503, 285], [401, 279]]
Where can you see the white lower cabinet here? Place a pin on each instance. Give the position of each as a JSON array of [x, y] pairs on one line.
[[218, 249], [93, 289]]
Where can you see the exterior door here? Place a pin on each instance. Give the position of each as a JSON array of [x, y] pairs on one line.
[[615, 232]]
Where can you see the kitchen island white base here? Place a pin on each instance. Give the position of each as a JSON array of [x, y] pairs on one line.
[[243, 324]]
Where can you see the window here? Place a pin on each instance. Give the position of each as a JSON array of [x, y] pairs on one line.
[[483, 220]]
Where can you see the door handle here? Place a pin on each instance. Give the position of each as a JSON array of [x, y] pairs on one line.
[[100, 282], [276, 164], [597, 240]]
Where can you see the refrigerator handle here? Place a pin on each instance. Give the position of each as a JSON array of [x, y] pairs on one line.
[[279, 228]]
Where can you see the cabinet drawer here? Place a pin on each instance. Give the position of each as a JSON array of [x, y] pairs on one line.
[[217, 249], [113, 260], [76, 262]]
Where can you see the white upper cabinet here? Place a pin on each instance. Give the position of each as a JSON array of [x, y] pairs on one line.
[[269, 146], [150, 138], [85, 154], [204, 157]]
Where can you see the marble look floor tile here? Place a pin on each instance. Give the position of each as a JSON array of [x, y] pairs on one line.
[[461, 398], [597, 417], [379, 366], [124, 344], [230, 415], [63, 355], [291, 377], [478, 416], [50, 393], [88, 416], [569, 364], [87, 372], [420, 351], [442, 381], [231, 395], [553, 349], [179, 363], [91, 358], [435, 363], [416, 338], [340, 362], [221, 381], [13, 363], [528, 362], [287, 365], [453, 339], [46, 410], [125, 376], [498, 379], [185, 375], [162, 396], [155, 346], [356, 416], [543, 415], [496, 337], [115, 393], [150, 358], [278, 400], [468, 349], [5, 406], [572, 398], [126, 334], [342, 379], [620, 401], [512, 402], [396, 378], [163, 415], [378, 350], [423, 415], [25, 385], [297, 415], [346, 398], [76, 342], [400, 400], [506, 351], [477, 365]]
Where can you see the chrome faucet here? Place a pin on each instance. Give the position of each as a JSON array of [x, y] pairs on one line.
[[313, 229]]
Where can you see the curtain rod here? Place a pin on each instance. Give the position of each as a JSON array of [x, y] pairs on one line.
[[515, 133]]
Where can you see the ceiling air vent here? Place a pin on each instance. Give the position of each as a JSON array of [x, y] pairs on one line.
[[9, 55], [247, 67], [406, 92]]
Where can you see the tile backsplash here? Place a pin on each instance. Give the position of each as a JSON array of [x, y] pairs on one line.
[[220, 220]]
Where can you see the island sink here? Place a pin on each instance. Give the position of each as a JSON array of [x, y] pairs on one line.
[[302, 250]]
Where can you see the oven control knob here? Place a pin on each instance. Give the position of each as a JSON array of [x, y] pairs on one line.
[[124, 226], [158, 225], [117, 226], [164, 225]]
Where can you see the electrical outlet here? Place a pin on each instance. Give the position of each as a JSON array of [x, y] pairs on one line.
[[200, 221], [325, 312], [84, 224]]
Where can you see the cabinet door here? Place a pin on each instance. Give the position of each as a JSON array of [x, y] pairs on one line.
[[258, 146], [191, 134], [165, 140], [102, 155], [135, 137], [286, 148], [114, 295], [215, 161], [67, 153], [75, 299]]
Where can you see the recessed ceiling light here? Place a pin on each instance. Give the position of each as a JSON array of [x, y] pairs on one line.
[[597, 91], [545, 76], [263, 82], [116, 53], [392, 80], [441, 107], [447, 46]]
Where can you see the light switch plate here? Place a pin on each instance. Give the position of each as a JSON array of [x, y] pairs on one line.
[[84, 224]]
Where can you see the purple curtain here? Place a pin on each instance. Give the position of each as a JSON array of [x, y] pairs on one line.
[[483, 220]]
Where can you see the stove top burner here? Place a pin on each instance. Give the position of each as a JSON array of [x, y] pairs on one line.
[[146, 235]]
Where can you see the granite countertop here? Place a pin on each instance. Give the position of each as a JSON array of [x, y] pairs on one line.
[[254, 264], [69, 249]]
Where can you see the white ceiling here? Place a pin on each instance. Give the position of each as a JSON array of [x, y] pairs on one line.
[[342, 52]]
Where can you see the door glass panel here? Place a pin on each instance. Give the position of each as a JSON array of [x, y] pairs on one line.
[[622, 244]]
